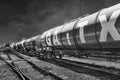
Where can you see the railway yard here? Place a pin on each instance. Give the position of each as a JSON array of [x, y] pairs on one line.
[[34, 68], [85, 48]]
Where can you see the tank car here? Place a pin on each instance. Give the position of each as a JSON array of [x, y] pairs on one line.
[[20, 47], [30, 45], [97, 32]]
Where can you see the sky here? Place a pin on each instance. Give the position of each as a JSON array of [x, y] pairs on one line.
[[26, 18]]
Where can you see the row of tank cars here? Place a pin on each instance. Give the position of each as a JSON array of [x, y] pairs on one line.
[[95, 34]]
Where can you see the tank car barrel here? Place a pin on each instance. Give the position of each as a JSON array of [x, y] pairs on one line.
[[98, 31]]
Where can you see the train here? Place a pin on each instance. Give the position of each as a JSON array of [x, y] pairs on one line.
[[96, 33]]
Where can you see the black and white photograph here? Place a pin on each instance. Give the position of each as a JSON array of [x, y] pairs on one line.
[[59, 39]]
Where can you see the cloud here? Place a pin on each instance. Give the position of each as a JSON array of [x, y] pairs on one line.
[[53, 13], [37, 16]]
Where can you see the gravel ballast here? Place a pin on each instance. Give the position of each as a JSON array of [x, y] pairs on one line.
[[66, 74]]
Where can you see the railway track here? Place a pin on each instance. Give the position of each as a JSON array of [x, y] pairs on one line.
[[16, 69], [91, 69], [7, 72], [47, 74]]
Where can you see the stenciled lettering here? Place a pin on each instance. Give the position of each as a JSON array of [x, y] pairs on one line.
[[48, 39], [68, 38], [109, 26], [81, 31], [55, 38]]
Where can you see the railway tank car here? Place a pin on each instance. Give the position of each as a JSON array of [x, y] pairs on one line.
[[19, 46], [30, 45], [99, 31]]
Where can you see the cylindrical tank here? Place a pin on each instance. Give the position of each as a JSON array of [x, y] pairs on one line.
[[97, 31]]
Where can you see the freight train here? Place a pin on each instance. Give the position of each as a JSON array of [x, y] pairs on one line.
[[94, 33]]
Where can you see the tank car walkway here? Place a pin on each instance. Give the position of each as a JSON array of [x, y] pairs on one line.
[[115, 65]]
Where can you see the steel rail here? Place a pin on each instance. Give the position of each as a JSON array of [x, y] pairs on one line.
[[16, 70], [80, 65], [45, 72]]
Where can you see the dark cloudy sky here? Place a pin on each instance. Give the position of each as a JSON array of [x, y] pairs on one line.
[[36, 16]]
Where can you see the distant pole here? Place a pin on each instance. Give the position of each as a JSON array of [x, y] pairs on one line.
[[19, 31]]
